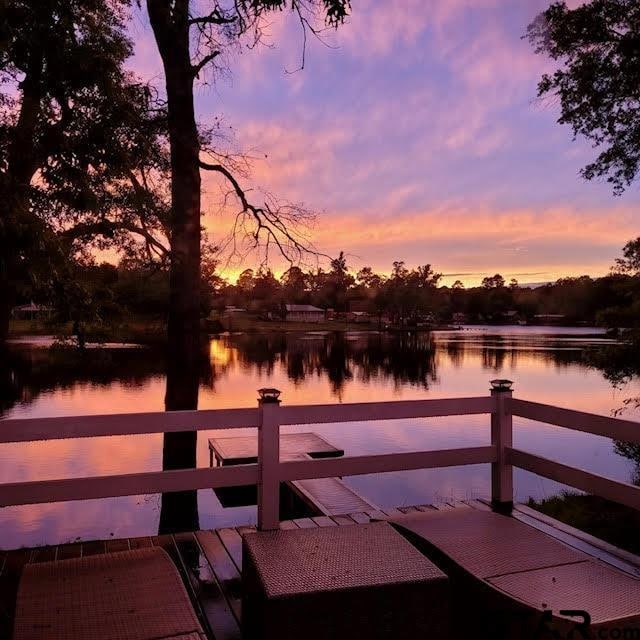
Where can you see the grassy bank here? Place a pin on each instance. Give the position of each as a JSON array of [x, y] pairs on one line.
[[609, 521]]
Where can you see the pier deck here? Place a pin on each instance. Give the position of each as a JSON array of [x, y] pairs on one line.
[[230, 450], [210, 562], [323, 496]]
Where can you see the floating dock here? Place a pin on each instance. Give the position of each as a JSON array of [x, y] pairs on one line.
[[324, 496]]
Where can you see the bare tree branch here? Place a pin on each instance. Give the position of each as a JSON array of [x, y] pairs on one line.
[[196, 68], [216, 17], [272, 223]]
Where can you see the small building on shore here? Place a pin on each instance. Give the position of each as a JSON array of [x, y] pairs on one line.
[[303, 313]]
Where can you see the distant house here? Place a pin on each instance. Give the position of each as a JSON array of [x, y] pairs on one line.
[[230, 310], [303, 313]]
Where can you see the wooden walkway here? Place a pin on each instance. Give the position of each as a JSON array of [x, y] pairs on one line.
[[330, 496], [210, 562]]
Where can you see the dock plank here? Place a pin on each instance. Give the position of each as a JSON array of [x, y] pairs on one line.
[[330, 496], [377, 514], [232, 542], [425, 508], [343, 520], [324, 521], [442, 506], [211, 602], [224, 569], [360, 518], [458, 504], [305, 523], [406, 510], [477, 504]]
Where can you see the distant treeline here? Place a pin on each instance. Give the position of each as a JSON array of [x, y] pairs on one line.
[[405, 297]]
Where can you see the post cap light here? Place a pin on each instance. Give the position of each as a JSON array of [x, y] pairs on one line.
[[269, 395], [501, 385]]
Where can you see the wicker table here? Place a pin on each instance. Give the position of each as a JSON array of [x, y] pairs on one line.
[[361, 581]]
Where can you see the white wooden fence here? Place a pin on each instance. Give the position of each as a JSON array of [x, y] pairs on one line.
[[268, 417]]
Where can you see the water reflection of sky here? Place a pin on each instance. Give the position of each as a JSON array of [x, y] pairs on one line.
[[314, 368]]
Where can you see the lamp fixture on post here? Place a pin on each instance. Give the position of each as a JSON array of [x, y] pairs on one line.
[[269, 395], [501, 384]]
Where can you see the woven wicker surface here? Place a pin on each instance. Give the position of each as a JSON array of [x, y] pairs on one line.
[[130, 595], [605, 593], [487, 544], [333, 558]]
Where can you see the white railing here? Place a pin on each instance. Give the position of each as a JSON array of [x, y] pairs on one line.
[[269, 472]]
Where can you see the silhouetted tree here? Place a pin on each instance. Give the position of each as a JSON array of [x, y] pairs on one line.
[[597, 45], [294, 285], [176, 27], [80, 143]]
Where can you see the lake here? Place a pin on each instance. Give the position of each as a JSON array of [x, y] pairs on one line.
[[551, 365]]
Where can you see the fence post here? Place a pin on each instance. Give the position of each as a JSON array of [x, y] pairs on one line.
[[501, 437], [269, 460]]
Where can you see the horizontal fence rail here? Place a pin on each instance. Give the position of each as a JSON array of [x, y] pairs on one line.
[[384, 463], [125, 424], [576, 420], [29, 429], [270, 470], [402, 409], [593, 483], [131, 484]]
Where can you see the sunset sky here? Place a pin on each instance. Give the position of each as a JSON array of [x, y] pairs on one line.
[[416, 136]]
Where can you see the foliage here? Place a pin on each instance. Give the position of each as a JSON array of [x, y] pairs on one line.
[[630, 261], [82, 153], [597, 83], [410, 297], [603, 519]]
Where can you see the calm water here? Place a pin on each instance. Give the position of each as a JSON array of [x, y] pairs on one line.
[[547, 364]]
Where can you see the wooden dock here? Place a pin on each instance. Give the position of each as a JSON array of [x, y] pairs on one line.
[[231, 450], [210, 562], [322, 496]]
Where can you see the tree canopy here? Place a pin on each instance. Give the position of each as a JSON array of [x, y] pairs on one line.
[[82, 164], [597, 46]]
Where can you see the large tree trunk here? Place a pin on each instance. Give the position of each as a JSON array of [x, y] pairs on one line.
[[169, 21]]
